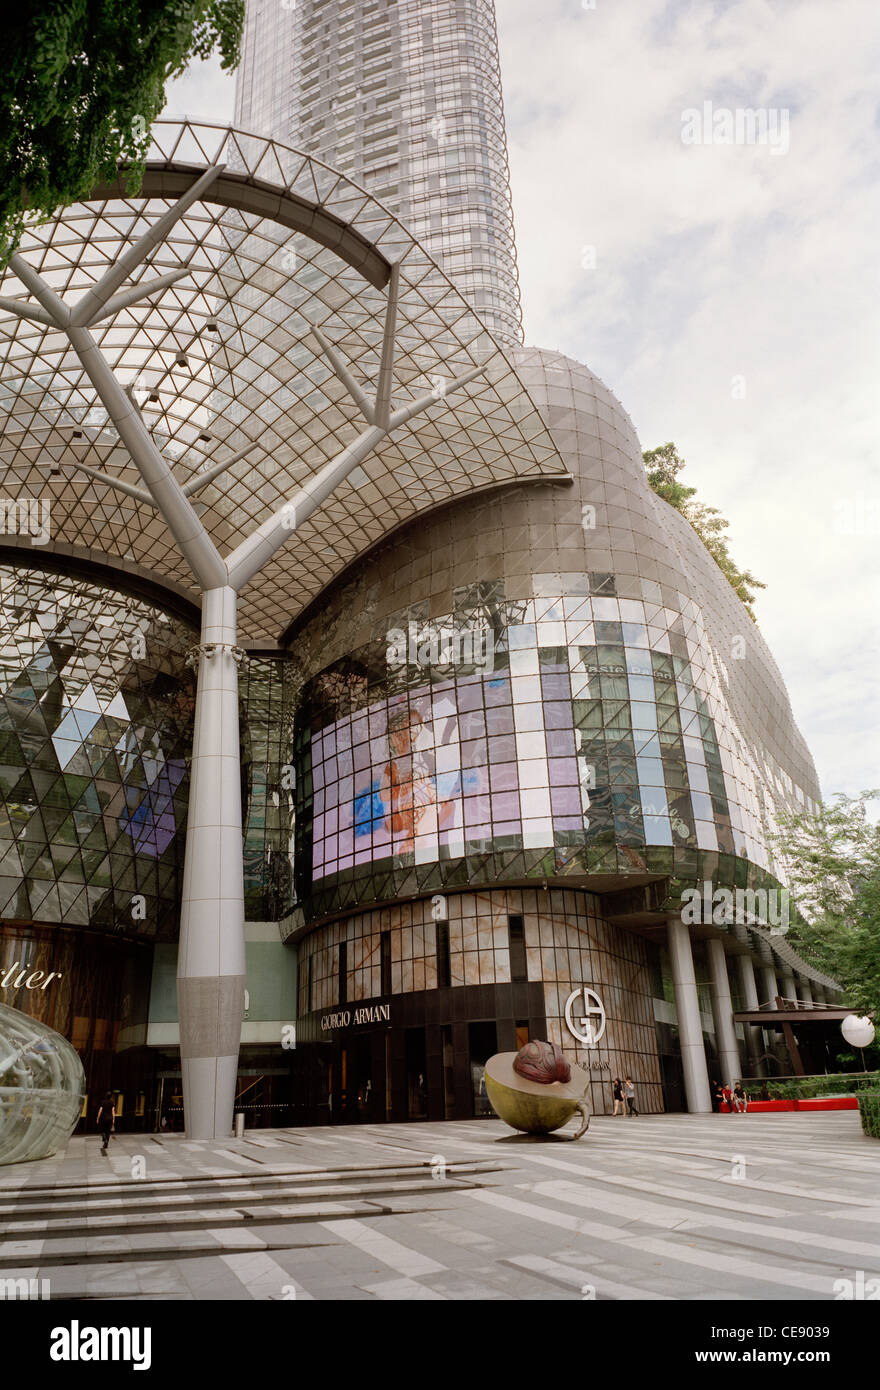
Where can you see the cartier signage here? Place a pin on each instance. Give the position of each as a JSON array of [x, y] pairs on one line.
[[27, 978]]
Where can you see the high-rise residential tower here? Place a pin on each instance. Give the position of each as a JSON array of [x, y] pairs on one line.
[[403, 96]]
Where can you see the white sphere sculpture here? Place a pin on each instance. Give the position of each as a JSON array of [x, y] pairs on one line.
[[858, 1032]]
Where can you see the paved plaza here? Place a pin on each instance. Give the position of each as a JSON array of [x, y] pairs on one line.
[[659, 1207]]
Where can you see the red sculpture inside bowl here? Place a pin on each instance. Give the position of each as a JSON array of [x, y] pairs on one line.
[[543, 1062]]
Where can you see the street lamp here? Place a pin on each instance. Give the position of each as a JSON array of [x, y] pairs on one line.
[[858, 1032]]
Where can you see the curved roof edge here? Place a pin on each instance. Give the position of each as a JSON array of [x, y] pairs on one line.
[[127, 578]]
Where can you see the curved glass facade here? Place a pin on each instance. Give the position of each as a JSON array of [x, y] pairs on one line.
[[584, 751], [555, 683], [42, 1088], [96, 708]]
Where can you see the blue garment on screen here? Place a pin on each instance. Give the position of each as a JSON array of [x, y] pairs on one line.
[[368, 806]]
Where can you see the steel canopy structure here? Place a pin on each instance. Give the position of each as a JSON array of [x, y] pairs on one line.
[[184, 344], [223, 362]]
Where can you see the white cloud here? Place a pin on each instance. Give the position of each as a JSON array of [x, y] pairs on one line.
[[718, 261]]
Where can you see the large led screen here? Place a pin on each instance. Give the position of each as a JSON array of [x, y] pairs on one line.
[[447, 769]]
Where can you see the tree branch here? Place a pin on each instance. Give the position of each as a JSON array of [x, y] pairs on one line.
[[248, 558], [383, 390], [202, 479], [23, 310], [144, 289], [90, 305], [119, 484], [357, 394]]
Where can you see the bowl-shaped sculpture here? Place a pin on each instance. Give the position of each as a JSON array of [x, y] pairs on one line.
[[531, 1106], [42, 1087]]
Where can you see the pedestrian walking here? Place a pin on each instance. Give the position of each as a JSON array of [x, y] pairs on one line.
[[617, 1092], [106, 1120], [630, 1093], [740, 1099]]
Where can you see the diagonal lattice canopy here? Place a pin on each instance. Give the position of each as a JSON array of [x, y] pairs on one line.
[[225, 358]]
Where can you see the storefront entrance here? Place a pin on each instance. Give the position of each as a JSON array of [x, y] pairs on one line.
[[417, 1056], [352, 1095]]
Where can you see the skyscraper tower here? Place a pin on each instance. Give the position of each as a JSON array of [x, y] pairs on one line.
[[404, 96]]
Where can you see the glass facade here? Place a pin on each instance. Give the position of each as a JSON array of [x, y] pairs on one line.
[[406, 99], [547, 682], [565, 943], [96, 707], [266, 702], [584, 750]]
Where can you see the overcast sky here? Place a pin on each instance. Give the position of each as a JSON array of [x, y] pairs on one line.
[[732, 303]]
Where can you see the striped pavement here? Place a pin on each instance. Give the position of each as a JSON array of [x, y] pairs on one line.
[[755, 1207]]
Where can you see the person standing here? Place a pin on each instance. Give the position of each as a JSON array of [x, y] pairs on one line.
[[630, 1092], [617, 1093], [106, 1120]]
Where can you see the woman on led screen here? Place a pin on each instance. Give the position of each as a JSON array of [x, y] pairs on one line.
[[408, 786]]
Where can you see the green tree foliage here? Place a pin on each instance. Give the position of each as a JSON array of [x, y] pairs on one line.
[[833, 862], [81, 83], [663, 465]]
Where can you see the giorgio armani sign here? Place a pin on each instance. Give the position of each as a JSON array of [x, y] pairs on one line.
[[364, 1013]]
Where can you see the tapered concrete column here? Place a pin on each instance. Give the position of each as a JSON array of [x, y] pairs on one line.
[[749, 987], [687, 1009], [805, 994], [818, 994], [788, 986], [722, 1012], [211, 957], [769, 987]]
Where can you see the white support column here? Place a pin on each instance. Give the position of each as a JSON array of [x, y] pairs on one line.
[[818, 992], [722, 1010], [690, 1028], [754, 1039], [805, 994], [211, 956]]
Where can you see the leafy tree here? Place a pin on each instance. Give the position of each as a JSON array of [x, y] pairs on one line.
[[833, 863], [82, 82], [663, 465]]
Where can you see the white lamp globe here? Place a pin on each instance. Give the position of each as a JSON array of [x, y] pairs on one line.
[[858, 1032]]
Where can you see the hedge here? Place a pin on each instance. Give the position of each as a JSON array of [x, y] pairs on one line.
[[869, 1112], [809, 1087]]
